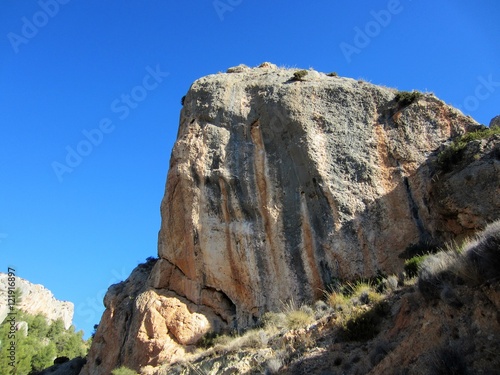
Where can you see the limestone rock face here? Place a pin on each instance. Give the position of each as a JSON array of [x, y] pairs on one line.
[[36, 299], [144, 326], [276, 187], [467, 197]]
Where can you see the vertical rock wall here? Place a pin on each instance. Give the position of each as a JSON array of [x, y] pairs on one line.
[[275, 188]]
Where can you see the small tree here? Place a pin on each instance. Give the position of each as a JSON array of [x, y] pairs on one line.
[[299, 75]]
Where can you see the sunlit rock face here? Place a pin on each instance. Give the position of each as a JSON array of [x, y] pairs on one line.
[[278, 185], [34, 299]]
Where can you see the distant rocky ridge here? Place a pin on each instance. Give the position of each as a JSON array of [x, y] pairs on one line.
[[280, 183], [36, 299]]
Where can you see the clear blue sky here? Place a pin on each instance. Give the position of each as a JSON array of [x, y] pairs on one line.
[[70, 67]]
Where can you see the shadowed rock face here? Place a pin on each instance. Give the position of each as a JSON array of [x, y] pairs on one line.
[[275, 188]]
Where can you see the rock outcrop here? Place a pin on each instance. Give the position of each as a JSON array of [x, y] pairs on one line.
[[467, 195], [276, 187], [36, 299], [69, 367], [495, 122]]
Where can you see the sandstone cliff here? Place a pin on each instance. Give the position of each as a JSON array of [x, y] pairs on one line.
[[276, 187], [36, 299]]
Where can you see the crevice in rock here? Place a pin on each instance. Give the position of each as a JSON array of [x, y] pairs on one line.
[[123, 344], [217, 300], [423, 234]]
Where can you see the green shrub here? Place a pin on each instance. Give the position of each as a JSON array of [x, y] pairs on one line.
[[123, 371], [363, 292], [299, 75], [412, 265], [365, 326], [321, 309], [338, 301], [208, 340], [298, 319], [332, 74], [405, 98], [454, 152]]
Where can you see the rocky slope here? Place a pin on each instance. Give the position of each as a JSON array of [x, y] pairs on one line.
[[277, 186], [36, 299], [453, 327]]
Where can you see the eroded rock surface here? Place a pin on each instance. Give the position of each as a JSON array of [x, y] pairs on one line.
[[36, 299], [276, 187], [467, 195]]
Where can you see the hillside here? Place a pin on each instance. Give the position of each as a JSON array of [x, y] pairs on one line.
[[36, 330], [445, 321], [36, 299]]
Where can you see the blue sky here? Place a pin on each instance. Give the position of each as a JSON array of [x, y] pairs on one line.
[[90, 98]]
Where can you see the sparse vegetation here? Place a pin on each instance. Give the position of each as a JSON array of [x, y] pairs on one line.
[[474, 263], [274, 320], [299, 318], [453, 154], [412, 265], [299, 75], [360, 307], [364, 292], [208, 340], [436, 271], [363, 326], [123, 371], [355, 316], [405, 98], [332, 74], [483, 255]]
